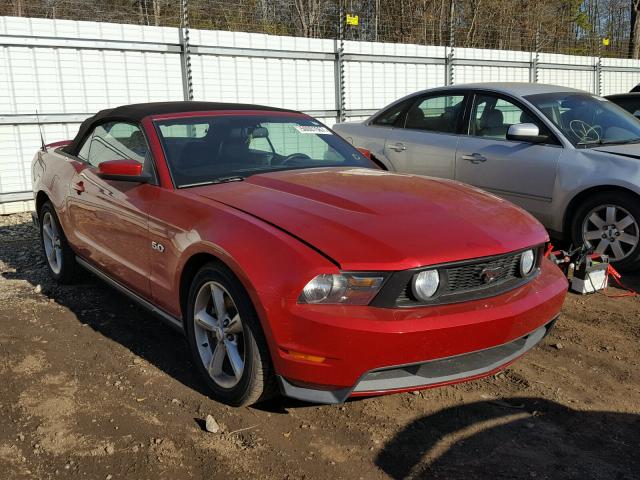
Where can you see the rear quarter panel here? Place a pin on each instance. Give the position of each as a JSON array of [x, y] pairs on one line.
[[52, 174]]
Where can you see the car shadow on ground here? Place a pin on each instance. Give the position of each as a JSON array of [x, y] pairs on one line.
[[518, 438], [100, 307]]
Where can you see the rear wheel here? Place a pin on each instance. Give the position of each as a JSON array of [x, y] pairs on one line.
[[58, 255], [609, 222], [225, 337]]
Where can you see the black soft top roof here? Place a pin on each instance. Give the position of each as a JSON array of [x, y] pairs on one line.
[[136, 112]]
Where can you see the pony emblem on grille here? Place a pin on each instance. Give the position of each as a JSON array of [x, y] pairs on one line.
[[489, 275]]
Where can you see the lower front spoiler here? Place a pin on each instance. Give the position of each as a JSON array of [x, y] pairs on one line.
[[422, 375]]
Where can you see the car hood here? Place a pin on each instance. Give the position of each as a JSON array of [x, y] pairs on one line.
[[631, 150], [368, 219]]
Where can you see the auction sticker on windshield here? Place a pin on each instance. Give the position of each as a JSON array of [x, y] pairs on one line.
[[312, 129]]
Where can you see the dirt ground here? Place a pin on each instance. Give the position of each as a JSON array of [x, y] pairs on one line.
[[94, 387]]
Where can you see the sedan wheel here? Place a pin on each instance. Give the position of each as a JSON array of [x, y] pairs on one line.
[[226, 338], [219, 334], [609, 222], [611, 230]]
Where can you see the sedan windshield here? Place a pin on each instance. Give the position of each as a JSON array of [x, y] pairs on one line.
[[224, 148], [588, 120]]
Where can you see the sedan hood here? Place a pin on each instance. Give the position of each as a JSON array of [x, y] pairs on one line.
[[631, 150], [373, 220]]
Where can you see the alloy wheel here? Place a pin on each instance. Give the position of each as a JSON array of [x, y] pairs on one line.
[[611, 230], [51, 242], [219, 334]]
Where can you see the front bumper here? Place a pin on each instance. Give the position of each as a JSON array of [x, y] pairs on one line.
[[432, 373], [370, 350]]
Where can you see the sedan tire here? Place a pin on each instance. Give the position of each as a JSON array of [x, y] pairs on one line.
[[610, 223], [226, 339], [58, 255]]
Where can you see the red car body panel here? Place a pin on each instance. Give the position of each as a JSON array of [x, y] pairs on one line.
[[277, 231], [372, 220]]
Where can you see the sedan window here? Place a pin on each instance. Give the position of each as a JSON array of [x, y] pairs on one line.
[[492, 116], [436, 114]]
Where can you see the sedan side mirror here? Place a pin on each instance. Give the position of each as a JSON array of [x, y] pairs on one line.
[[636, 114], [123, 170], [525, 132]]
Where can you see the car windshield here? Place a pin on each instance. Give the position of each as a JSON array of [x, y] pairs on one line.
[[588, 120], [223, 148]]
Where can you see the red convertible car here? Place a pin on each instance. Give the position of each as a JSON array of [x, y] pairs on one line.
[[287, 258]]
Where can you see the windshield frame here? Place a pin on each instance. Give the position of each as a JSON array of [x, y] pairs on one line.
[[606, 107], [360, 161]]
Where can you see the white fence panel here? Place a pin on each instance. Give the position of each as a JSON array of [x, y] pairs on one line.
[[476, 65], [287, 72], [579, 71], [619, 75], [376, 74], [68, 70]]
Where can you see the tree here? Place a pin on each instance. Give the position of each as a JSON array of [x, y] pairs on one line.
[[634, 38]]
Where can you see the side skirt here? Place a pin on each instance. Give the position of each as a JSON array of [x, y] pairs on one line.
[[164, 316]]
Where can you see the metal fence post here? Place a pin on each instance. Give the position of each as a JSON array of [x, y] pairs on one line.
[[449, 57], [185, 52], [533, 69], [597, 81], [339, 69]]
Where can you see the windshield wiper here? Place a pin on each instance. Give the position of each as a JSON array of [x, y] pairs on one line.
[[608, 142], [619, 142], [215, 181], [230, 178]]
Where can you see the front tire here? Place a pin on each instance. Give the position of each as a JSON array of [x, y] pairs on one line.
[[58, 255], [609, 222], [226, 339]]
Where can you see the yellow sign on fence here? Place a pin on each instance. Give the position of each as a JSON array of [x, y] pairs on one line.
[[352, 20], [605, 42]]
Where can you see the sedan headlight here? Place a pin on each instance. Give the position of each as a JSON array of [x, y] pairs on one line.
[[527, 262], [425, 284], [343, 288]]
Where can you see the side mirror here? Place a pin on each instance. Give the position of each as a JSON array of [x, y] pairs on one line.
[[123, 170], [525, 132], [636, 114]]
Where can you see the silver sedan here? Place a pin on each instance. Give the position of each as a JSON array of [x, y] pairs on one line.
[[572, 159]]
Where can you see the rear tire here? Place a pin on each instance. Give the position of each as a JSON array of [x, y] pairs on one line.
[[58, 255], [226, 339], [609, 222]]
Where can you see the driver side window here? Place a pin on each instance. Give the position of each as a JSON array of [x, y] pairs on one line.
[[492, 116], [115, 141]]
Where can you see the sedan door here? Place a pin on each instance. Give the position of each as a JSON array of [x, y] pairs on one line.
[[522, 172], [426, 143], [110, 218]]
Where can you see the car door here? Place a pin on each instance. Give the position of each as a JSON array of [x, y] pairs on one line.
[[426, 142], [521, 172], [110, 218]]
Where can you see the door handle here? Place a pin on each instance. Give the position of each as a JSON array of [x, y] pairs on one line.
[[474, 158], [398, 147], [78, 187]]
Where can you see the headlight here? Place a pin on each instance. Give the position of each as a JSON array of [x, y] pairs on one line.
[[425, 284], [344, 288], [527, 261]]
